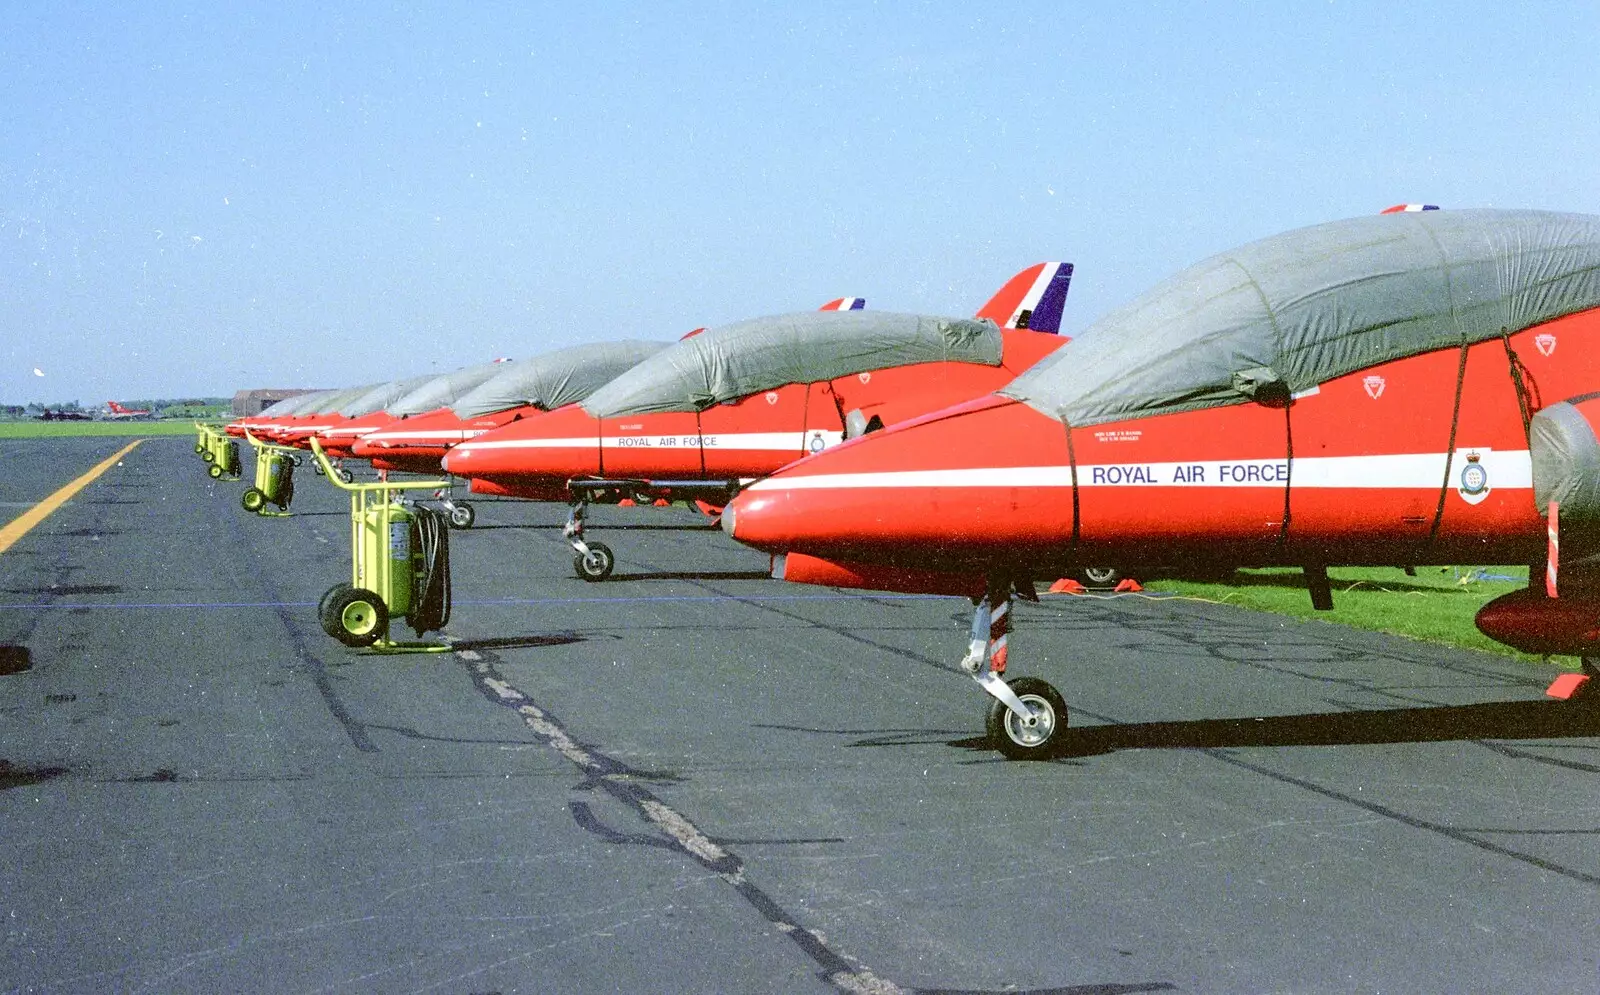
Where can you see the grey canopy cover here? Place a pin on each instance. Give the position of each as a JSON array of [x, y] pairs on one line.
[[381, 396], [1309, 305], [290, 405], [335, 400], [555, 379], [734, 361], [439, 391]]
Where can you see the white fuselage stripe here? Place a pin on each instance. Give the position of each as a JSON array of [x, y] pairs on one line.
[[1504, 468], [443, 435], [765, 441]]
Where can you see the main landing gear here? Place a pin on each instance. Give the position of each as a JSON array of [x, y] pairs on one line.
[[593, 561], [1026, 714]]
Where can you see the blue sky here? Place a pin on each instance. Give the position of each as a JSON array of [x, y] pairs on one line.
[[200, 198]]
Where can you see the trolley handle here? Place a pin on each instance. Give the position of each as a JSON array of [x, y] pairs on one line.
[[381, 485]]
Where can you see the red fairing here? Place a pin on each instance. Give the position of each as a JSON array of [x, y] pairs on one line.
[[942, 491], [557, 446], [528, 492], [1532, 622], [426, 438], [1359, 470], [340, 439], [799, 568]]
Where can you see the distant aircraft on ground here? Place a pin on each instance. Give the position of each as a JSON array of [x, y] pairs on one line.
[[1421, 387], [116, 412]]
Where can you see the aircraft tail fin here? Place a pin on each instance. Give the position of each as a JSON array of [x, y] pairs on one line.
[[1409, 208], [845, 304], [1034, 299]]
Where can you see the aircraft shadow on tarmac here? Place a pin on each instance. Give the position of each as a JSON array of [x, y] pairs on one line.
[[602, 528], [519, 642], [1514, 720], [692, 575]]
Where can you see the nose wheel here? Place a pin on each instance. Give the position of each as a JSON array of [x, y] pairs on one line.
[[1020, 738], [1026, 715], [593, 561]]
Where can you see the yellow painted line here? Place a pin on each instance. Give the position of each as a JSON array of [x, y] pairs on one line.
[[39, 512]]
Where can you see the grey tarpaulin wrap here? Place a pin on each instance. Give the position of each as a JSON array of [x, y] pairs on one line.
[[335, 400], [1566, 464], [555, 379], [1313, 304], [291, 405], [444, 390], [381, 396], [737, 360]]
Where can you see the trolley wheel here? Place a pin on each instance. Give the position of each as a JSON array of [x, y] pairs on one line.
[[214, 470], [1100, 576], [1017, 740], [346, 475], [199, 448], [318, 468], [330, 624], [209, 456], [359, 617], [253, 499], [462, 515], [596, 564]]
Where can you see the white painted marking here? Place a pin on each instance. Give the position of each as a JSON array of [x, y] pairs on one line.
[[1507, 468]]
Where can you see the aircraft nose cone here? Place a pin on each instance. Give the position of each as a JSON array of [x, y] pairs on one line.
[[944, 490]]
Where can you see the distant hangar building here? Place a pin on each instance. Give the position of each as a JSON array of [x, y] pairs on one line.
[[250, 402]]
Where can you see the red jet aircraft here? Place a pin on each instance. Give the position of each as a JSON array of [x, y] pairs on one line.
[[559, 378], [1414, 388], [701, 419], [551, 380]]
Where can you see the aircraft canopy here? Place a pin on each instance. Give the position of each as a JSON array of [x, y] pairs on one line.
[[291, 405], [1295, 310], [439, 391], [747, 357], [334, 400], [555, 379], [381, 396]]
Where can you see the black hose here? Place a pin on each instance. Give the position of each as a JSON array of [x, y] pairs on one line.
[[430, 603], [283, 478]]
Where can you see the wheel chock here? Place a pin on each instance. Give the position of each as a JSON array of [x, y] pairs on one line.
[[1565, 686], [627, 503], [663, 503], [1067, 585], [1127, 586]]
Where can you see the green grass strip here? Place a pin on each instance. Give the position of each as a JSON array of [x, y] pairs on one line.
[[1436, 606], [75, 429]]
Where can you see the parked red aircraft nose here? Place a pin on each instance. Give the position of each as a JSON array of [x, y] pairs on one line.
[[364, 414], [1360, 393], [701, 419], [532, 386]]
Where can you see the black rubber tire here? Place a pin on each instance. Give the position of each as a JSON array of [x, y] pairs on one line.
[[214, 470], [1006, 731], [209, 456], [597, 565], [253, 500], [359, 617], [462, 515], [329, 623], [1102, 578], [346, 475]]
